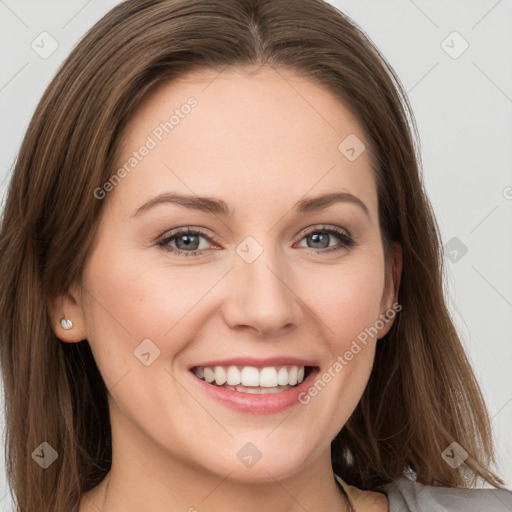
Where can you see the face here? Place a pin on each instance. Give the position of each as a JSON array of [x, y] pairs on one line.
[[171, 291]]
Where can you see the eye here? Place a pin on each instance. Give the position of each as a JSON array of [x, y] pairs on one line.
[[185, 238], [188, 241], [319, 239]]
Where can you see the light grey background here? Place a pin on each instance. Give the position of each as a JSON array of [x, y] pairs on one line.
[[463, 106]]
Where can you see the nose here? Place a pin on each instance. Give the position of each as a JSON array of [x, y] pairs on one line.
[[261, 296]]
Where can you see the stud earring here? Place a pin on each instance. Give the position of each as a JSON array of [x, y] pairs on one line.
[[66, 324]]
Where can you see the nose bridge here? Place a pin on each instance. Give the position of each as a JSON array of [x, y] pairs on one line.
[[261, 294]]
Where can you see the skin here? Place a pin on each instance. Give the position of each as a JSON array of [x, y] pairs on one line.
[[261, 142]]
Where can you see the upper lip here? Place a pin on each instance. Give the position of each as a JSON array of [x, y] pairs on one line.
[[258, 363]]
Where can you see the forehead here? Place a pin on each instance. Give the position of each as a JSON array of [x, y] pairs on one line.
[[281, 92], [247, 131]]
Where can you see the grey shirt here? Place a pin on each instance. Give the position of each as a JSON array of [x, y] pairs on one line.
[[406, 495]]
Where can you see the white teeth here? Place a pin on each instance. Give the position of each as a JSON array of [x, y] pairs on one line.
[[282, 376], [270, 378], [234, 377], [220, 375], [250, 376], [209, 376], [292, 375]]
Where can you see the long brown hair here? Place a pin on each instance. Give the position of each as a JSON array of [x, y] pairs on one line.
[[422, 394]]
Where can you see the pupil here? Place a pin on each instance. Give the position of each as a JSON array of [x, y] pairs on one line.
[[317, 236], [187, 242]]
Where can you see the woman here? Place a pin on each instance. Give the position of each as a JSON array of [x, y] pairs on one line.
[[221, 278]]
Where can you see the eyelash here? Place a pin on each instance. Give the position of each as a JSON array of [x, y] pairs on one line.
[[346, 240]]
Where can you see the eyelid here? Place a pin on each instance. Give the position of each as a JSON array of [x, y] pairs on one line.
[[324, 227]]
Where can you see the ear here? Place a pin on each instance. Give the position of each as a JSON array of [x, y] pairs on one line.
[[391, 287], [68, 305]]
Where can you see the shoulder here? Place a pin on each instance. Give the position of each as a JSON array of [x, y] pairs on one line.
[[368, 501], [409, 496]]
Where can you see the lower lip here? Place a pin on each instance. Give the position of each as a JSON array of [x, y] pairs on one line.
[[258, 404]]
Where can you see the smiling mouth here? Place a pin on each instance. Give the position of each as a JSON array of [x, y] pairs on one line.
[[253, 380]]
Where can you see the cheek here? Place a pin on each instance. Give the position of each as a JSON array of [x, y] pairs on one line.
[[347, 299], [347, 304], [136, 299]]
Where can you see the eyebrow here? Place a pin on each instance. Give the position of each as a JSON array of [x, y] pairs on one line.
[[220, 207]]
